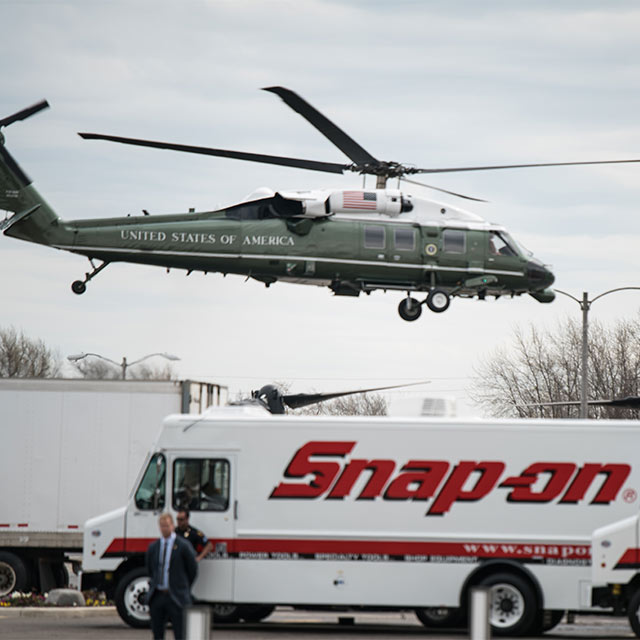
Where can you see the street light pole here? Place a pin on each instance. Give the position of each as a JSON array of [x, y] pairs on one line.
[[124, 365], [585, 306]]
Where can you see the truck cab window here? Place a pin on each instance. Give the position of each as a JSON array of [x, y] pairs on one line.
[[150, 493], [373, 237], [454, 241], [201, 484]]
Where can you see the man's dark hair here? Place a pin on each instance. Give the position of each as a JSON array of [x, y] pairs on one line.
[[184, 510]]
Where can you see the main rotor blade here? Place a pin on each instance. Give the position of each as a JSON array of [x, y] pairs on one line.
[[345, 143], [630, 402], [24, 113], [520, 166], [298, 163], [451, 193], [298, 400]]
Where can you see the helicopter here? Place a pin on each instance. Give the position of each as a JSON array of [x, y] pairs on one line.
[[352, 241]]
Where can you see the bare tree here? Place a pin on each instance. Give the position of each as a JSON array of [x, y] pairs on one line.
[[361, 404], [544, 366], [23, 357]]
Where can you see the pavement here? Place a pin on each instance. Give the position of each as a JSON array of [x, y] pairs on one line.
[[103, 623]]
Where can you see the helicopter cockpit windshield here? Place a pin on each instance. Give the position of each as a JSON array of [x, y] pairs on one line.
[[501, 244]]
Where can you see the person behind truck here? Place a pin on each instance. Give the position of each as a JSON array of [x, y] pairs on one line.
[[172, 567], [201, 545]]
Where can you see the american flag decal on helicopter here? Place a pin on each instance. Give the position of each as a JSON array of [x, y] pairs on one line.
[[359, 200]]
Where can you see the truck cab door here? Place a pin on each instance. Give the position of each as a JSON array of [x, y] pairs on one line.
[[204, 483]]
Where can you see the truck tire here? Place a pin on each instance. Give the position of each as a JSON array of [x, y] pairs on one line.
[[633, 611], [225, 613], [513, 607], [438, 617], [13, 574], [256, 612], [130, 598]]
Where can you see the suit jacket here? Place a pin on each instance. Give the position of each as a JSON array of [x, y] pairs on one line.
[[183, 569]]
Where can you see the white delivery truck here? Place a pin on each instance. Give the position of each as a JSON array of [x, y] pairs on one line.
[[616, 568], [70, 448], [378, 512]]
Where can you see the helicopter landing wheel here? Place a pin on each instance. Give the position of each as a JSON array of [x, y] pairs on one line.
[[78, 287], [410, 309], [438, 300]]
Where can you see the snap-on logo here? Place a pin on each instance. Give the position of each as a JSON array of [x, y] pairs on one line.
[[445, 482]]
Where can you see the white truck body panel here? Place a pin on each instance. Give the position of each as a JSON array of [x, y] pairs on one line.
[[392, 511], [70, 449]]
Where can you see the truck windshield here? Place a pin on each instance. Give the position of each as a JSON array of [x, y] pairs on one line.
[[154, 478]]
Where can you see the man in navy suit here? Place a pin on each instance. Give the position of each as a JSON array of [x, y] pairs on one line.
[[172, 567]]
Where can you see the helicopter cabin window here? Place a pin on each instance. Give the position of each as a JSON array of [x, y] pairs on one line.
[[454, 241], [405, 239], [201, 484], [499, 245], [150, 493], [373, 237], [251, 211]]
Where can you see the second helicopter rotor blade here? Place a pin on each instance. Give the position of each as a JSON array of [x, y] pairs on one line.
[[299, 400], [344, 142], [24, 113], [520, 166], [298, 163], [451, 193]]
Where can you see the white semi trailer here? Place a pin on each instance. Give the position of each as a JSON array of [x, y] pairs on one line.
[[69, 449], [401, 513]]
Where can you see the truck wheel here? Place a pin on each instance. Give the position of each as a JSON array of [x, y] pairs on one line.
[[131, 597], [13, 574], [512, 604], [633, 611], [60, 575], [256, 612], [438, 617], [226, 613]]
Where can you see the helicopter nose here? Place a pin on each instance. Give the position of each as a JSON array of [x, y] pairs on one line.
[[539, 275]]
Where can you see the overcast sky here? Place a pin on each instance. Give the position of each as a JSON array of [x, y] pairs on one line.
[[431, 83]]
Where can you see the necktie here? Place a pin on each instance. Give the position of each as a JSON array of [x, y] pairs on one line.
[[163, 554]]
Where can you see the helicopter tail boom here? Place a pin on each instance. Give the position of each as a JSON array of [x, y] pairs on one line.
[[33, 220]]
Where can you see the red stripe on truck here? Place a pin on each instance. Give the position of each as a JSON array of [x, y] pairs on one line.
[[630, 560], [251, 548]]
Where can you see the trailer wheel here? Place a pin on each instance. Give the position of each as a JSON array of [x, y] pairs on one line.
[[256, 612], [131, 598], [512, 604], [633, 611], [438, 617], [226, 613], [13, 574]]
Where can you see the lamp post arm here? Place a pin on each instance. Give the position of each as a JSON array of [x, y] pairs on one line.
[[97, 355], [564, 293], [151, 355], [606, 293]]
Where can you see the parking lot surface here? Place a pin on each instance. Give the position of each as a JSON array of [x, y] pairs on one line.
[[283, 623]]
